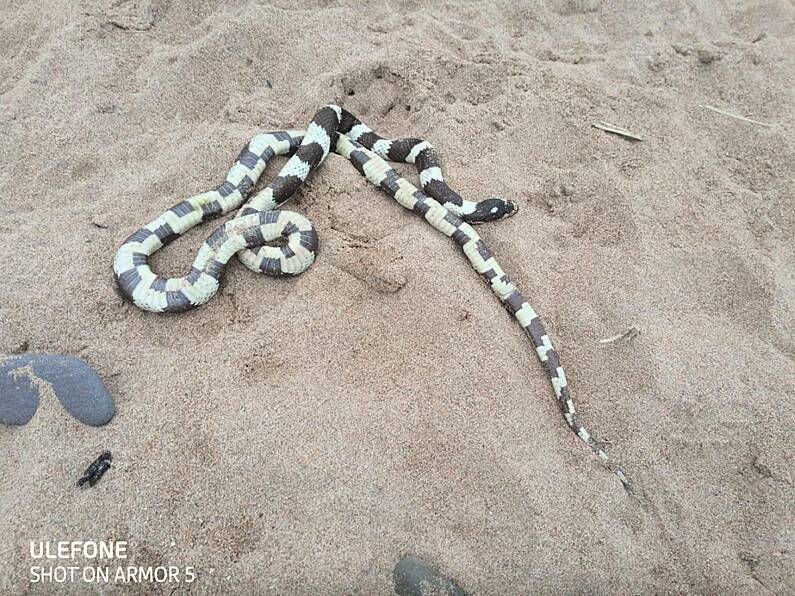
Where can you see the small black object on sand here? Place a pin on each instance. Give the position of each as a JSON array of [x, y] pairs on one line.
[[95, 471]]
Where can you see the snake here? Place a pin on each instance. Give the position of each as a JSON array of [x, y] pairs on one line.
[[278, 242]]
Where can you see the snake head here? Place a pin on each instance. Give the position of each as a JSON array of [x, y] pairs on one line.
[[491, 210]]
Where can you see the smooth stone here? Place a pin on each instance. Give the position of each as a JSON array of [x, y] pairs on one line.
[[75, 384], [414, 577], [19, 399]]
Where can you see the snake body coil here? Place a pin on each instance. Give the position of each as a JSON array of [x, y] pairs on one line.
[[259, 222]]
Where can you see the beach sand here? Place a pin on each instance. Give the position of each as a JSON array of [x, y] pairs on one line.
[[298, 436]]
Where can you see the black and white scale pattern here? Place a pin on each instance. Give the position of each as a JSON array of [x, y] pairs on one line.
[[152, 292], [424, 156], [378, 172], [244, 233], [260, 221]]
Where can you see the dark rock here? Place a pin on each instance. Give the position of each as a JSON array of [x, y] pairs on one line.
[[413, 577], [74, 382]]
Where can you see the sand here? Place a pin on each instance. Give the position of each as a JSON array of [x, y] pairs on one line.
[[299, 436]]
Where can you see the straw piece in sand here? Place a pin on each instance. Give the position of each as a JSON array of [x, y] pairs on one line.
[[616, 130], [628, 334], [730, 115]]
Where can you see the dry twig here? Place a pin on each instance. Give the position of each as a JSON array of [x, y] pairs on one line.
[[730, 115], [616, 130], [628, 334]]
